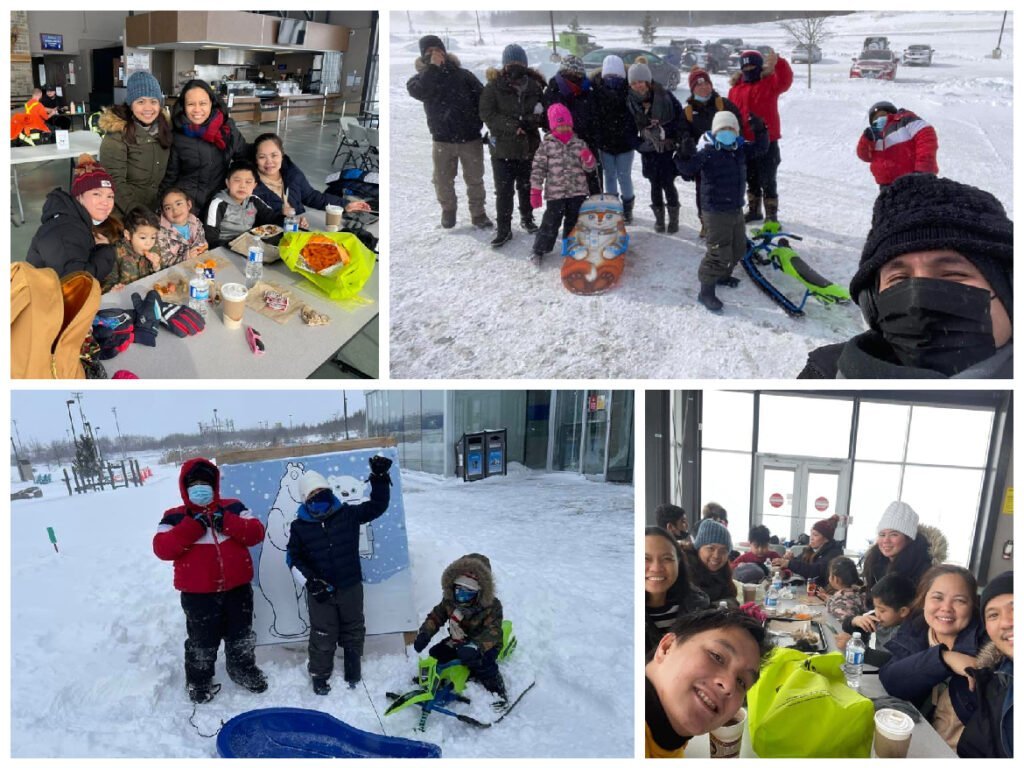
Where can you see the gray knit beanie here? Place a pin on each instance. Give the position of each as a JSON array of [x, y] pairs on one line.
[[142, 85], [513, 54], [712, 532], [640, 72]]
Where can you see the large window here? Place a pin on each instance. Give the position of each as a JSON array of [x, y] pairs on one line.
[[727, 429]]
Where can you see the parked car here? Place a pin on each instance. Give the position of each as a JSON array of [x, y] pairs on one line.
[[670, 54], [736, 43], [734, 57], [686, 42], [879, 64], [803, 54], [32, 492], [918, 55], [577, 43], [876, 43], [661, 70]]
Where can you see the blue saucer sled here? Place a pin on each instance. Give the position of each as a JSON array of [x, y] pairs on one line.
[[298, 733]]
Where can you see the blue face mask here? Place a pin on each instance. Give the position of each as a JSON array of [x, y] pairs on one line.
[[320, 503], [200, 495], [879, 123], [726, 138], [702, 99], [464, 596]]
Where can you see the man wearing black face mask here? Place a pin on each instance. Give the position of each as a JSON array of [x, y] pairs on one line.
[[511, 107], [935, 285]]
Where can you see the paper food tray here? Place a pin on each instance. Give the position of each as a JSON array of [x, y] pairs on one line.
[[240, 245], [784, 630]]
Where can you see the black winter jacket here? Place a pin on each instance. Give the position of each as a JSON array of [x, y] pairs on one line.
[[64, 241], [197, 166], [817, 568], [451, 99], [616, 129], [327, 548], [986, 733], [723, 172], [505, 108], [580, 106], [916, 668], [300, 192], [717, 585], [698, 115]]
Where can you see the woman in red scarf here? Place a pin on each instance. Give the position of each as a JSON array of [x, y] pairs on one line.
[[206, 140]]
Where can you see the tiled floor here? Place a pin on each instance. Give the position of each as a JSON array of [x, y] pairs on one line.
[[307, 143]]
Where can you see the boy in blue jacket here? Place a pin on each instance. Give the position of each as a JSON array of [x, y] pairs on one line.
[[720, 158], [323, 552]]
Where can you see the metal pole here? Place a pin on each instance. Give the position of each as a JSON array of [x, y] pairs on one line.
[[554, 40], [999, 44], [15, 422], [120, 439], [74, 437], [344, 402]]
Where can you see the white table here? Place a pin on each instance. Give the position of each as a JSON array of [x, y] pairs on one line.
[[79, 142], [294, 350], [924, 742]]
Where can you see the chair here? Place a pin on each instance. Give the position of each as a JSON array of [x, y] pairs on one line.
[[347, 141], [372, 156]]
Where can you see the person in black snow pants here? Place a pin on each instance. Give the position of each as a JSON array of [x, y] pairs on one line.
[[323, 552]]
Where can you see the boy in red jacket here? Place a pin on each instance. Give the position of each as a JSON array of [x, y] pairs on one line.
[[208, 538], [897, 142]]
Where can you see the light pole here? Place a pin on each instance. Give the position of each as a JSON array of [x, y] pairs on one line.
[[99, 453], [119, 438], [21, 445], [344, 405], [216, 427], [74, 437]]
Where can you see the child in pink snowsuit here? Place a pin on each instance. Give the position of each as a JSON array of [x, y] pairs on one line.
[[562, 162]]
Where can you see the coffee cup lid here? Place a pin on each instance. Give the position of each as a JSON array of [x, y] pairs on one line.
[[893, 722]]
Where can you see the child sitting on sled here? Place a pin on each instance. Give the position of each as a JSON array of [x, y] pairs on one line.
[[720, 158], [473, 614]]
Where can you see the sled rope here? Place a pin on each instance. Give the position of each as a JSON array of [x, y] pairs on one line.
[[376, 714], [192, 722]]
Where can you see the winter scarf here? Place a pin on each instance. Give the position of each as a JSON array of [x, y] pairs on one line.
[[213, 131], [660, 109]]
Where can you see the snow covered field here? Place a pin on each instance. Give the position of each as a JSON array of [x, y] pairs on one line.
[[461, 309], [97, 630]]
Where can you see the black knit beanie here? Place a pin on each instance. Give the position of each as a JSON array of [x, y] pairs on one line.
[[202, 472], [431, 41], [1000, 585], [921, 212]]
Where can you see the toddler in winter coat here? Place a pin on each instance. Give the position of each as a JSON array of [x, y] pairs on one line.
[[208, 539], [561, 163], [474, 617], [137, 251], [848, 599], [236, 209], [181, 236], [721, 159], [323, 553]]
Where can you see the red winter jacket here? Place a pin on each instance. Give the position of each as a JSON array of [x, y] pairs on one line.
[[762, 98], [908, 145], [206, 560]]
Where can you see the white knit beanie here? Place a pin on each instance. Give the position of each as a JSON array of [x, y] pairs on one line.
[[724, 119], [612, 66], [311, 481], [899, 516]]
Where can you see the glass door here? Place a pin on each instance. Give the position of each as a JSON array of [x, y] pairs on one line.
[[569, 425], [620, 438], [598, 403], [791, 493]]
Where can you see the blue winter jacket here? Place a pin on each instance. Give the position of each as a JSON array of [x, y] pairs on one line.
[[915, 667], [300, 192], [327, 546], [723, 172]]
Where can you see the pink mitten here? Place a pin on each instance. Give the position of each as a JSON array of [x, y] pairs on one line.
[[536, 198], [588, 159]]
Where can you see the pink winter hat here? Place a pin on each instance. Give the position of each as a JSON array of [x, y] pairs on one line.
[[559, 114]]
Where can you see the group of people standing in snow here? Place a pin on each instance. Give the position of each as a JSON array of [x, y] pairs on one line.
[[938, 646]]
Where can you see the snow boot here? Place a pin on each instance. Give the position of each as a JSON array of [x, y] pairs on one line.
[[527, 222], [754, 208], [659, 217], [496, 685], [240, 658], [320, 686], [536, 258], [673, 218], [627, 209], [353, 666], [480, 221], [708, 299], [503, 235], [729, 281], [771, 209], [201, 693], [448, 219]]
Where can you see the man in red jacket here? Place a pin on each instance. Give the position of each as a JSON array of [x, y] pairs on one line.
[[897, 142], [756, 89], [208, 538]]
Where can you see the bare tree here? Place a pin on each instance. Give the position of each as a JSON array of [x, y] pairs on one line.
[[810, 31]]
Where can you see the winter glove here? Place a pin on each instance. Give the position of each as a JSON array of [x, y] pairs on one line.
[[469, 654], [218, 520], [654, 133], [200, 518], [422, 638], [379, 468], [756, 123], [870, 135], [146, 318], [588, 159], [524, 125], [536, 198], [687, 147], [319, 589], [182, 320]]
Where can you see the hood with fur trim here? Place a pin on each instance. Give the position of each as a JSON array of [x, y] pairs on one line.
[[989, 657], [114, 119], [475, 565], [494, 72], [451, 58], [938, 546]]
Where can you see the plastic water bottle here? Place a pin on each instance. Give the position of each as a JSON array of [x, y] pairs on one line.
[[777, 577], [291, 223], [771, 599], [254, 266], [723, 605], [199, 292], [854, 666]]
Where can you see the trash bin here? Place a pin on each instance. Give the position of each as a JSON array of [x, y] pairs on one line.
[[497, 455], [473, 451]]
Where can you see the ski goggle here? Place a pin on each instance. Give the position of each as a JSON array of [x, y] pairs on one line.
[[463, 595], [112, 320]]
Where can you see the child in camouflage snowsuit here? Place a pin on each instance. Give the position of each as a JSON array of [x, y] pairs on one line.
[[849, 598], [561, 163], [473, 614]]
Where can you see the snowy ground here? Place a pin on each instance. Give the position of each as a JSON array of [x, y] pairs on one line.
[[97, 630], [461, 309]]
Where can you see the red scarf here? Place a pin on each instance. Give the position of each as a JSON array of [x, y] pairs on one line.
[[214, 133]]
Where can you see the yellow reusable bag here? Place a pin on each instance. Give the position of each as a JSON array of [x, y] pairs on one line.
[[802, 707], [340, 282]]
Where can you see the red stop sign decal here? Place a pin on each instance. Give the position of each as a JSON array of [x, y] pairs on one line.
[[776, 500], [821, 503]]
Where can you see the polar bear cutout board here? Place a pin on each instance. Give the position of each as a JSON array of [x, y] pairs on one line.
[[270, 488]]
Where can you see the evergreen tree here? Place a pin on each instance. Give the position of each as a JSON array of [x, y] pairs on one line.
[[648, 30]]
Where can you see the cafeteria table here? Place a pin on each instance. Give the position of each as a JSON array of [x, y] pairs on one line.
[[79, 142], [924, 742]]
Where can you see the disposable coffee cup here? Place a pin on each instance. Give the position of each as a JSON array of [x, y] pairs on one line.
[[727, 739], [749, 593], [892, 733], [334, 213], [233, 296]]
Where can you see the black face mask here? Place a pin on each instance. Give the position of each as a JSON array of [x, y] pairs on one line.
[[936, 324], [515, 71]]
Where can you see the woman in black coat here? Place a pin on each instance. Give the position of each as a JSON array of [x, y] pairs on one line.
[[813, 564], [668, 593], [206, 140], [615, 130]]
